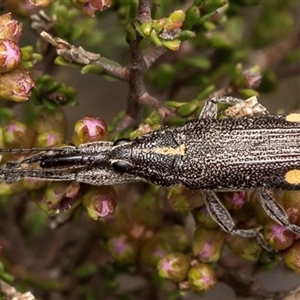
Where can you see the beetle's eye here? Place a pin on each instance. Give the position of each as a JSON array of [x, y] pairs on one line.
[[120, 142], [121, 166]]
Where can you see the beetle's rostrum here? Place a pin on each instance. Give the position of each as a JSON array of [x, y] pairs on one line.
[[260, 152]]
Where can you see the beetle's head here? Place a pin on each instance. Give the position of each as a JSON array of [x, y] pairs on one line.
[[120, 158]]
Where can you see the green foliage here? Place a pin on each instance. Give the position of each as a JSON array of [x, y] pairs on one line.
[[52, 93]]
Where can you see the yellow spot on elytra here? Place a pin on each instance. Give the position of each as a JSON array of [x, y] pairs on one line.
[[293, 177], [180, 150], [293, 117]]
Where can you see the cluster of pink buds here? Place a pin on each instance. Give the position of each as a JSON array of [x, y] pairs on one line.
[[15, 81]]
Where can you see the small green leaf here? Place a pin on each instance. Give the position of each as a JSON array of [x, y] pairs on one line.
[[206, 17], [206, 92], [247, 93], [178, 15], [212, 5], [92, 69], [172, 45], [192, 16], [146, 28], [27, 52], [59, 60], [131, 32], [187, 109], [153, 119], [155, 39], [174, 104], [186, 34], [176, 121]]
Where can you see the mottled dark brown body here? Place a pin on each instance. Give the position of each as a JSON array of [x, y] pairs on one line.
[[217, 154]]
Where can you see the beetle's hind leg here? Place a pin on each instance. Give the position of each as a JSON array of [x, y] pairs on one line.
[[275, 211], [239, 107], [220, 214]]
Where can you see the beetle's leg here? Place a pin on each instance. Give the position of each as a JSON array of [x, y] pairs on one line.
[[275, 211], [248, 108], [220, 214], [240, 108]]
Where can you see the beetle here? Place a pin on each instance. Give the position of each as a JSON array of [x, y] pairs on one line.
[[250, 149]]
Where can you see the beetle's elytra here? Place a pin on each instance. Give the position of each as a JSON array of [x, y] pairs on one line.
[[257, 152]]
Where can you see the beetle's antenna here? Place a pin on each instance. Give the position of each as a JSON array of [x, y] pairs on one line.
[[28, 150], [11, 175]]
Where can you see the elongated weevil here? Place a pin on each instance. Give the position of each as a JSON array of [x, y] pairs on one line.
[[260, 151]]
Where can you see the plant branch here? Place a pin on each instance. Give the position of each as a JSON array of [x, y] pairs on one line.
[[137, 67], [72, 54], [144, 11], [151, 57]]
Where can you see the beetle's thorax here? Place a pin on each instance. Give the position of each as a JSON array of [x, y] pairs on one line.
[[152, 156]]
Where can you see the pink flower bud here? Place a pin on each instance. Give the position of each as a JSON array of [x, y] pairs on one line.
[[17, 134], [100, 201], [16, 85], [90, 6], [10, 55], [174, 266], [123, 249], [89, 129], [201, 277], [10, 29], [292, 258], [49, 138]]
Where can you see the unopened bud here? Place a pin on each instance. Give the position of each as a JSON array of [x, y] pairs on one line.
[[208, 244], [291, 257], [16, 135], [10, 55], [100, 201], [10, 29], [16, 85], [123, 249], [247, 249], [201, 277], [48, 139], [278, 236], [61, 196], [174, 266], [90, 6], [89, 129]]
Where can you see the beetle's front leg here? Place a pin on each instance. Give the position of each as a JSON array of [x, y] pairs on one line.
[[275, 211], [239, 107], [220, 214]]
